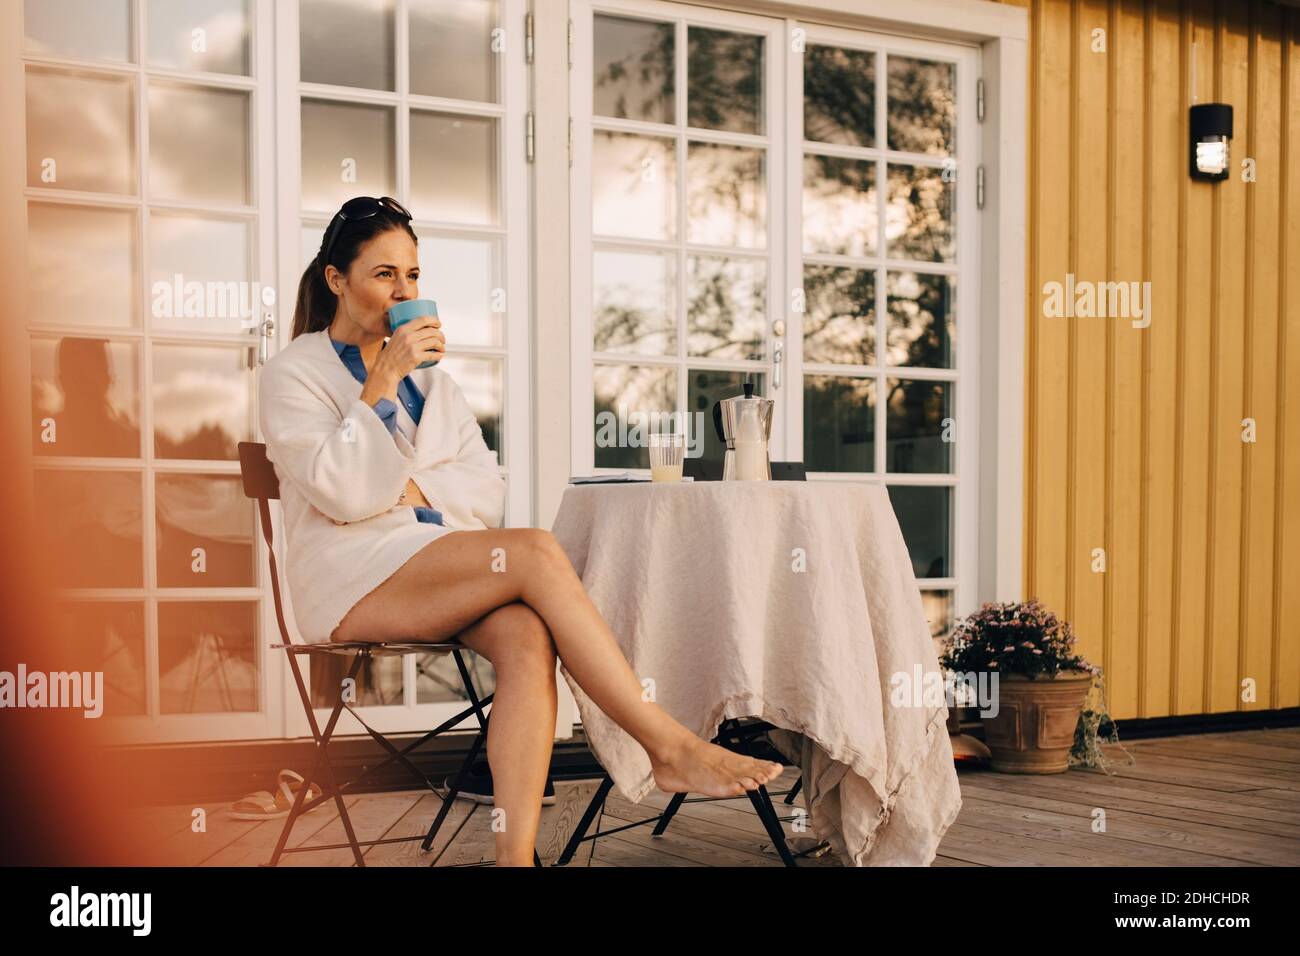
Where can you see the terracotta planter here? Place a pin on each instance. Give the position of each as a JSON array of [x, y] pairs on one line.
[[1034, 729]]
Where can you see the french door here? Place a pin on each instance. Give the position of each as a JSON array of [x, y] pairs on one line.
[[150, 210], [765, 200], [184, 157]]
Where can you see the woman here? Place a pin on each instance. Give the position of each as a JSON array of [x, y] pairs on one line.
[[392, 502]]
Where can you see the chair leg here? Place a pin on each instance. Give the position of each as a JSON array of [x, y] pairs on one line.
[[452, 789], [669, 812], [597, 801], [295, 810], [321, 766], [794, 791], [762, 802], [479, 740]]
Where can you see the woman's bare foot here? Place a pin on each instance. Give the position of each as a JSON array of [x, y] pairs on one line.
[[700, 767]]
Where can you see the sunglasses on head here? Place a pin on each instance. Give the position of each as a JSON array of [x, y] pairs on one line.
[[362, 207]]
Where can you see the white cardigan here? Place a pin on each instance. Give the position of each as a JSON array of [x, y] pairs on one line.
[[341, 474]]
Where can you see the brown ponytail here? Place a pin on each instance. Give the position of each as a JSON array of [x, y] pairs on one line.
[[315, 307]]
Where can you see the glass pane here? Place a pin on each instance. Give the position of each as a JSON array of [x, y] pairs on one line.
[[85, 398], [207, 657], [726, 308], [634, 297], [461, 275], [839, 323], [204, 35], [201, 401], [378, 681], [724, 80], [922, 107], [80, 132], [839, 96], [452, 51], [198, 144], [626, 397], [92, 519], [437, 679], [107, 636], [633, 188], [347, 150], [704, 389], [312, 236], [199, 276], [726, 196], [839, 423], [480, 379], [924, 517], [839, 206], [938, 612], [95, 29], [921, 309], [453, 167], [633, 66], [205, 531], [82, 265], [347, 43], [918, 214], [918, 419]]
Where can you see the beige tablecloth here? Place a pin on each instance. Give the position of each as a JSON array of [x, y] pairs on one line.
[[790, 601]]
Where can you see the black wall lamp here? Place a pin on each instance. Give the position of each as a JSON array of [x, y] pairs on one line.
[[1211, 125]]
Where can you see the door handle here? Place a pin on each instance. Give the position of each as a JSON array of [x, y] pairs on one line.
[[267, 334], [778, 352]]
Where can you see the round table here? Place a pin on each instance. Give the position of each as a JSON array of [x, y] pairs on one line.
[[791, 601]]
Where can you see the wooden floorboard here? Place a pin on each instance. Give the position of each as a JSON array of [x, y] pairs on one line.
[[1223, 799]]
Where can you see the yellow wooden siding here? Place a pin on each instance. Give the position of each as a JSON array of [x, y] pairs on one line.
[[1134, 436]]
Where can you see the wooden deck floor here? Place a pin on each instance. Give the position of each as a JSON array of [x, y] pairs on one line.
[[1230, 799]]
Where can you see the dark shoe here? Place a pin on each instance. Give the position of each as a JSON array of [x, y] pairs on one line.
[[478, 786]]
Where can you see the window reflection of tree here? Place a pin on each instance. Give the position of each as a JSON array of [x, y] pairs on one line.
[[840, 320], [922, 106], [208, 442], [919, 320], [650, 71], [640, 389], [839, 96], [920, 214], [727, 308], [725, 74]]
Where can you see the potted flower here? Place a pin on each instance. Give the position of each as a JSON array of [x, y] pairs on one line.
[[1041, 682]]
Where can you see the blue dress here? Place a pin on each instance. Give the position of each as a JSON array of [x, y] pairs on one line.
[[386, 410]]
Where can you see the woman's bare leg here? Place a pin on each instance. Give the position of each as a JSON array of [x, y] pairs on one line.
[[521, 731], [458, 578]]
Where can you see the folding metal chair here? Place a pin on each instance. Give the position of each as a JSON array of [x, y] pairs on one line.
[[735, 734], [261, 483]]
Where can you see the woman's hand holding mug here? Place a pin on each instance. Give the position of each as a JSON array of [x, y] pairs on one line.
[[414, 343]]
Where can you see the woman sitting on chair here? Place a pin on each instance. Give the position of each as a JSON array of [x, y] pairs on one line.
[[392, 504]]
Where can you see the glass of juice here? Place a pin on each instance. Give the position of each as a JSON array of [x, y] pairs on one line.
[[667, 451]]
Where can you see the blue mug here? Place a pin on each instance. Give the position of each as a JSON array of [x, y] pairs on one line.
[[404, 312]]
